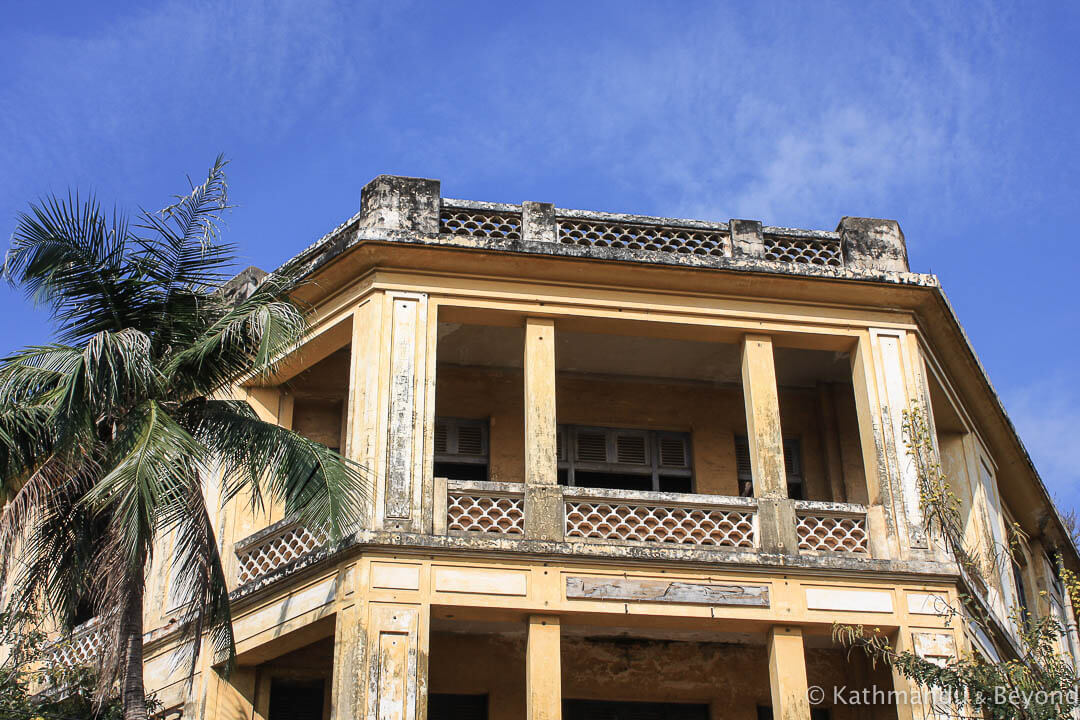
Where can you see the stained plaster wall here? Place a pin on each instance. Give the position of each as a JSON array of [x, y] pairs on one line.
[[732, 678], [714, 416]]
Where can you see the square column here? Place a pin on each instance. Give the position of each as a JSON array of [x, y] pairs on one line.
[[393, 675], [543, 496], [543, 669], [787, 674], [763, 417], [361, 407], [766, 442]]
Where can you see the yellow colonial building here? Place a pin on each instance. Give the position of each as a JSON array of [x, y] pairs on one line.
[[622, 467]]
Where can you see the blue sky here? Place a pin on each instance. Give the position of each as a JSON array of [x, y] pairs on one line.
[[957, 119]]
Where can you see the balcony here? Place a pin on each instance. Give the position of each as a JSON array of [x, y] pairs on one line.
[[590, 516], [651, 448]]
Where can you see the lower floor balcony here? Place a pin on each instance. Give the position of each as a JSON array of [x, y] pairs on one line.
[[408, 633]]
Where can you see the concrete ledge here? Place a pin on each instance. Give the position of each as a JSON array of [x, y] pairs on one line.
[[508, 549], [351, 235]]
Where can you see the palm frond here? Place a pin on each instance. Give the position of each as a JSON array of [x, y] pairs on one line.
[[199, 572], [57, 542], [247, 340], [151, 466], [318, 485], [24, 439], [183, 259], [68, 254], [31, 374]]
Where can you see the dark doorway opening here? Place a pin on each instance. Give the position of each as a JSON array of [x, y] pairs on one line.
[[296, 699], [457, 707], [605, 710]]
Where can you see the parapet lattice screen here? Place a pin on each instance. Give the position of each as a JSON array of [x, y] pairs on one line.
[[82, 648], [833, 533], [808, 251], [278, 550], [664, 524], [633, 236], [495, 514], [481, 224]]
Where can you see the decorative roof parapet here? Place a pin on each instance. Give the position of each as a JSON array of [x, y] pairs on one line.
[[406, 204]]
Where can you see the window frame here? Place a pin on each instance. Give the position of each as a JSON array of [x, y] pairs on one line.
[[453, 427], [567, 445]]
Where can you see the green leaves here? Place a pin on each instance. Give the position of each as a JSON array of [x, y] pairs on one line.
[[152, 463], [1035, 680], [319, 486], [68, 254], [107, 436]]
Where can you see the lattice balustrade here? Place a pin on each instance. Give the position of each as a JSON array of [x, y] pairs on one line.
[[634, 236], [833, 533], [660, 523], [278, 550], [808, 251], [481, 224], [496, 514], [82, 648]]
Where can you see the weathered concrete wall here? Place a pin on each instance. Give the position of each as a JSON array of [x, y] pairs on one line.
[[732, 678], [319, 420], [714, 415]]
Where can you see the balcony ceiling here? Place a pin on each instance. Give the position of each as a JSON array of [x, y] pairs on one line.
[[631, 356]]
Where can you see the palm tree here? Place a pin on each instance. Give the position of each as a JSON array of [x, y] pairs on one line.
[[108, 435]]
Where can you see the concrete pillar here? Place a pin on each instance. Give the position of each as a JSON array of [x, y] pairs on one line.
[[231, 698], [394, 676], [884, 543], [543, 669], [873, 244], [904, 688], [543, 496], [776, 514], [538, 222], [401, 495], [746, 238], [346, 686], [787, 674], [763, 417], [406, 204], [362, 414]]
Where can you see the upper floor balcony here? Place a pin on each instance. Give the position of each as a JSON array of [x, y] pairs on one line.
[[606, 437]]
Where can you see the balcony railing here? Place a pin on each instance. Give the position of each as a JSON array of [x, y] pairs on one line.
[[592, 515], [582, 228], [485, 507], [651, 517], [266, 551], [831, 527], [82, 647]]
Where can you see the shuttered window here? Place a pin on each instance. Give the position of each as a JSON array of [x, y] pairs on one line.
[[461, 448], [621, 458], [792, 466]]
